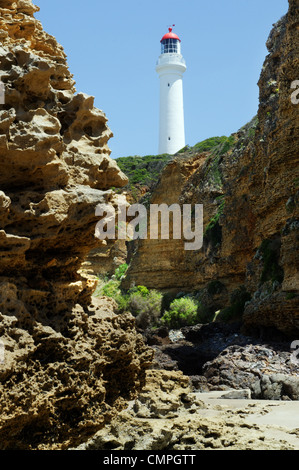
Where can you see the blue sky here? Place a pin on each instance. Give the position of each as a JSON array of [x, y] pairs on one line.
[[112, 48]]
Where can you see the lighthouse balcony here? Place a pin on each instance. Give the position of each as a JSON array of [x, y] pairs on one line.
[[167, 61]]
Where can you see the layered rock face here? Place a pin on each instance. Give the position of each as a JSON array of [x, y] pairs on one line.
[[158, 262], [67, 362], [250, 197], [272, 275]]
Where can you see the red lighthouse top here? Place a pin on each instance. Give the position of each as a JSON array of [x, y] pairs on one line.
[[170, 35]]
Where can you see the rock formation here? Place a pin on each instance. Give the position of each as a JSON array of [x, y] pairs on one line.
[[158, 262], [167, 416], [272, 275], [250, 195], [69, 362]]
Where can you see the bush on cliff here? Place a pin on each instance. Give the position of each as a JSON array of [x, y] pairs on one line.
[[182, 312], [210, 144], [145, 306], [121, 271], [143, 170]]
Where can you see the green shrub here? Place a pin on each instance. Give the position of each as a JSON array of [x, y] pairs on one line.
[[143, 303], [121, 271], [209, 144], [182, 312], [146, 307], [122, 301], [110, 289], [142, 290], [143, 170]]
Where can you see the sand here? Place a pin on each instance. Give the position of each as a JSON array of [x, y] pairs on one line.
[[278, 420]]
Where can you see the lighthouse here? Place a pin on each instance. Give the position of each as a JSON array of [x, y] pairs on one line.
[[170, 67]]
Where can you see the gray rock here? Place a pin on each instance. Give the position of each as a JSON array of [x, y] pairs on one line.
[[279, 386], [237, 395]]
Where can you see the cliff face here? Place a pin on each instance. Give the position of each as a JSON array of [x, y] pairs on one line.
[[62, 351], [274, 192], [250, 195], [158, 262]]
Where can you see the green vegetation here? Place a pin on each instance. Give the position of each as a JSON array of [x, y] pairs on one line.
[[150, 307], [143, 170], [251, 133], [143, 303], [182, 312], [224, 143], [213, 231], [153, 309], [184, 149], [121, 271], [110, 289], [187, 310], [218, 146]]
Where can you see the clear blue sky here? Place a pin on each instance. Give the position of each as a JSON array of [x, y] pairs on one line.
[[112, 49]]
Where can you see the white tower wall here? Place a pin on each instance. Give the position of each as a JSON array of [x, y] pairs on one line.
[[170, 68]]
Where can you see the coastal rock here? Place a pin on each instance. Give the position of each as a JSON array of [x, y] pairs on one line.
[[237, 395], [280, 387], [69, 361], [172, 418], [268, 372]]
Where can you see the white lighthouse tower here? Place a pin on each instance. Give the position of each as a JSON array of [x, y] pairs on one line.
[[170, 67]]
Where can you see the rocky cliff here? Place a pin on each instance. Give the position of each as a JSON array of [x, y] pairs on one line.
[[157, 263], [67, 362], [249, 190]]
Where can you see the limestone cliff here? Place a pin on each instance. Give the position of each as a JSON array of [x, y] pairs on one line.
[[250, 195], [67, 362], [273, 276], [158, 262]]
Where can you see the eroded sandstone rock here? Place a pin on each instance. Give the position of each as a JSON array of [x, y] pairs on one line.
[[69, 362], [187, 422]]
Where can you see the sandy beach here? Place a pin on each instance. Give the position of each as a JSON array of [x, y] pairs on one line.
[[278, 420]]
